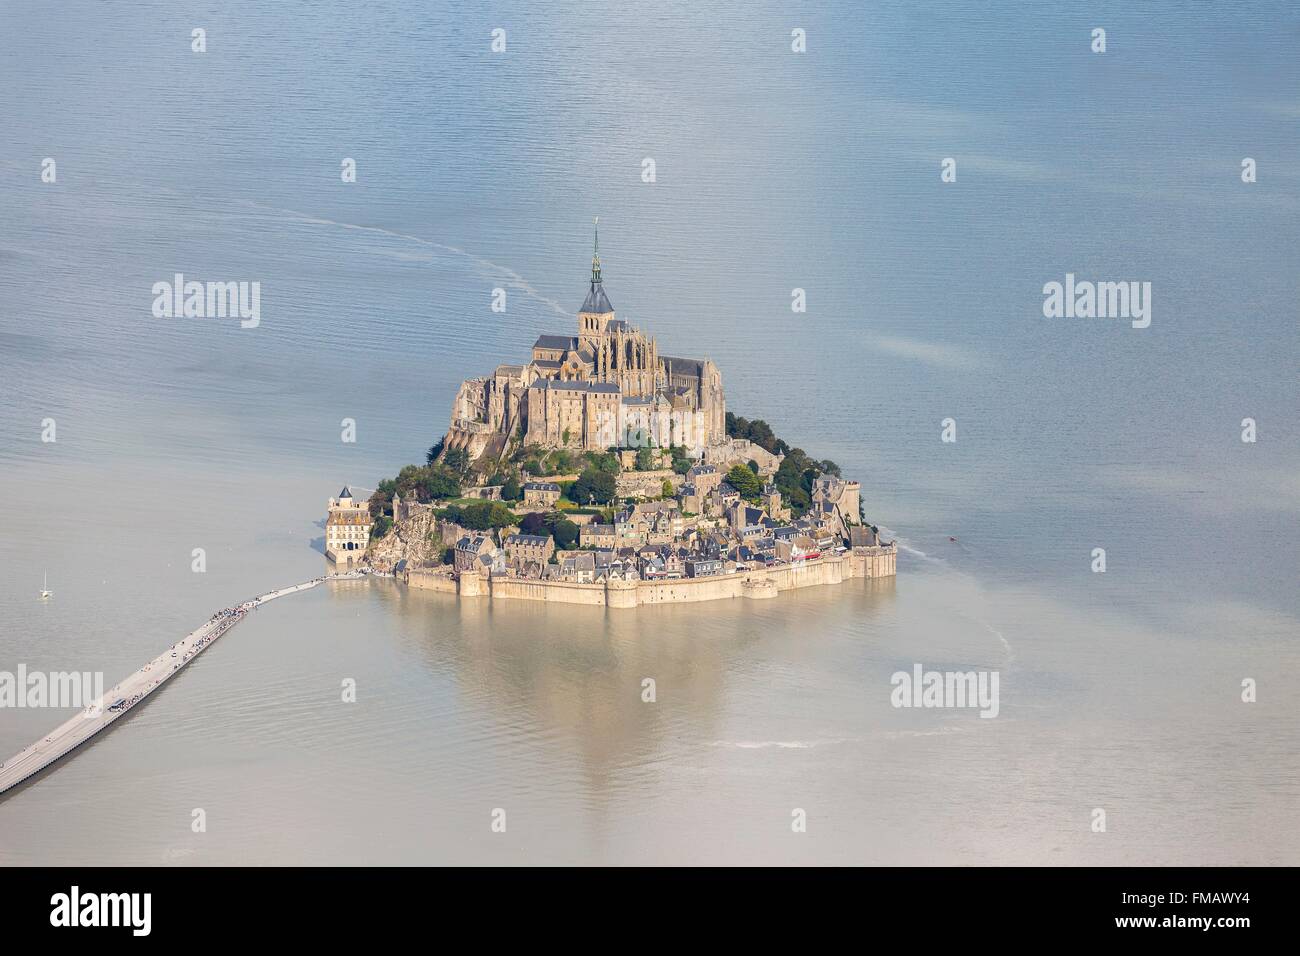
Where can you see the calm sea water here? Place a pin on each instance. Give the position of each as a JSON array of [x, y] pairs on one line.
[[774, 171]]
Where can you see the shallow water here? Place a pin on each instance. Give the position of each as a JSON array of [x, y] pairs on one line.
[[1118, 690]]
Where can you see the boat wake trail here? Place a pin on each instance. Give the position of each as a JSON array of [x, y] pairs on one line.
[[1006, 645], [513, 279], [904, 546]]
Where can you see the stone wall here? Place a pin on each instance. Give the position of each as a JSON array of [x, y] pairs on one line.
[[876, 562], [756, 585], [645, 484], [862, 562], [741, 451], [430, 580], [562, 592]]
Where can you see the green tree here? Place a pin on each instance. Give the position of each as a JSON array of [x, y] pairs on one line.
[[757, 431], [435, 450], [481, 515], [381, 502], [500, 516], [667, 489], [682, 462], [512, 490], [457, 460], [602, 461], [645, 459], [566, 533], [534, 523], [381, 526], [744, 481], [439, 485], [795, 478], [593, 485]]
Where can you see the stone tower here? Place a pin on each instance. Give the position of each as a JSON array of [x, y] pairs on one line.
[[596, 313], [621, 355]]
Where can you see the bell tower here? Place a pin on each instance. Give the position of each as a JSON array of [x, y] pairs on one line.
[[596, 312]]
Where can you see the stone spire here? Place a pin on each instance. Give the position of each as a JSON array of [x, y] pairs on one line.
[[597, 302]]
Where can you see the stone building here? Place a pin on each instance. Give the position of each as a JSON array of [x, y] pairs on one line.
[[772, 503], [529, 547], [597, 536], [841, 495], [406, 508], [541, 494], [347, 528], [471, 551], [605, 387]]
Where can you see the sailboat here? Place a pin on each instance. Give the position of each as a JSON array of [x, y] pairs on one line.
[[46, 593]]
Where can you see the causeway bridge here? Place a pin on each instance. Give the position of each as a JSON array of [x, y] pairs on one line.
[[134, 689]]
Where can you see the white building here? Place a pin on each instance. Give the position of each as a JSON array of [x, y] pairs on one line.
[[347, 529]]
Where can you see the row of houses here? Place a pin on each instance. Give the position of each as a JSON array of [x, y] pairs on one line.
[[706, 529], [662, 539]]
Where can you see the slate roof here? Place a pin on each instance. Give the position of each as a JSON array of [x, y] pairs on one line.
[[693, 368], [556, 342], [596, 302]]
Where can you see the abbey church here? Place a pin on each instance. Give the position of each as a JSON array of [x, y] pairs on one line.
[[605, 387]]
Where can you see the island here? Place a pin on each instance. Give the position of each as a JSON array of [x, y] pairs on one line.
[[602, 472]]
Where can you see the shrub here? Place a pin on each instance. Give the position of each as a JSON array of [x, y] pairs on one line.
[[593, 485]]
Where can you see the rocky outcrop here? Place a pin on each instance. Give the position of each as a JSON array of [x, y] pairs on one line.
[[419, 540], [741, 451]]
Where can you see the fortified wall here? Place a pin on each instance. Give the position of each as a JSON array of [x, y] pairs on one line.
[[874, 562]]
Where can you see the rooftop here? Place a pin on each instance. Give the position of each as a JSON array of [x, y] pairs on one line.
[[597, 302]]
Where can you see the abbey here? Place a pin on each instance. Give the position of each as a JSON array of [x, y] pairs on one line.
[[605, 387]]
